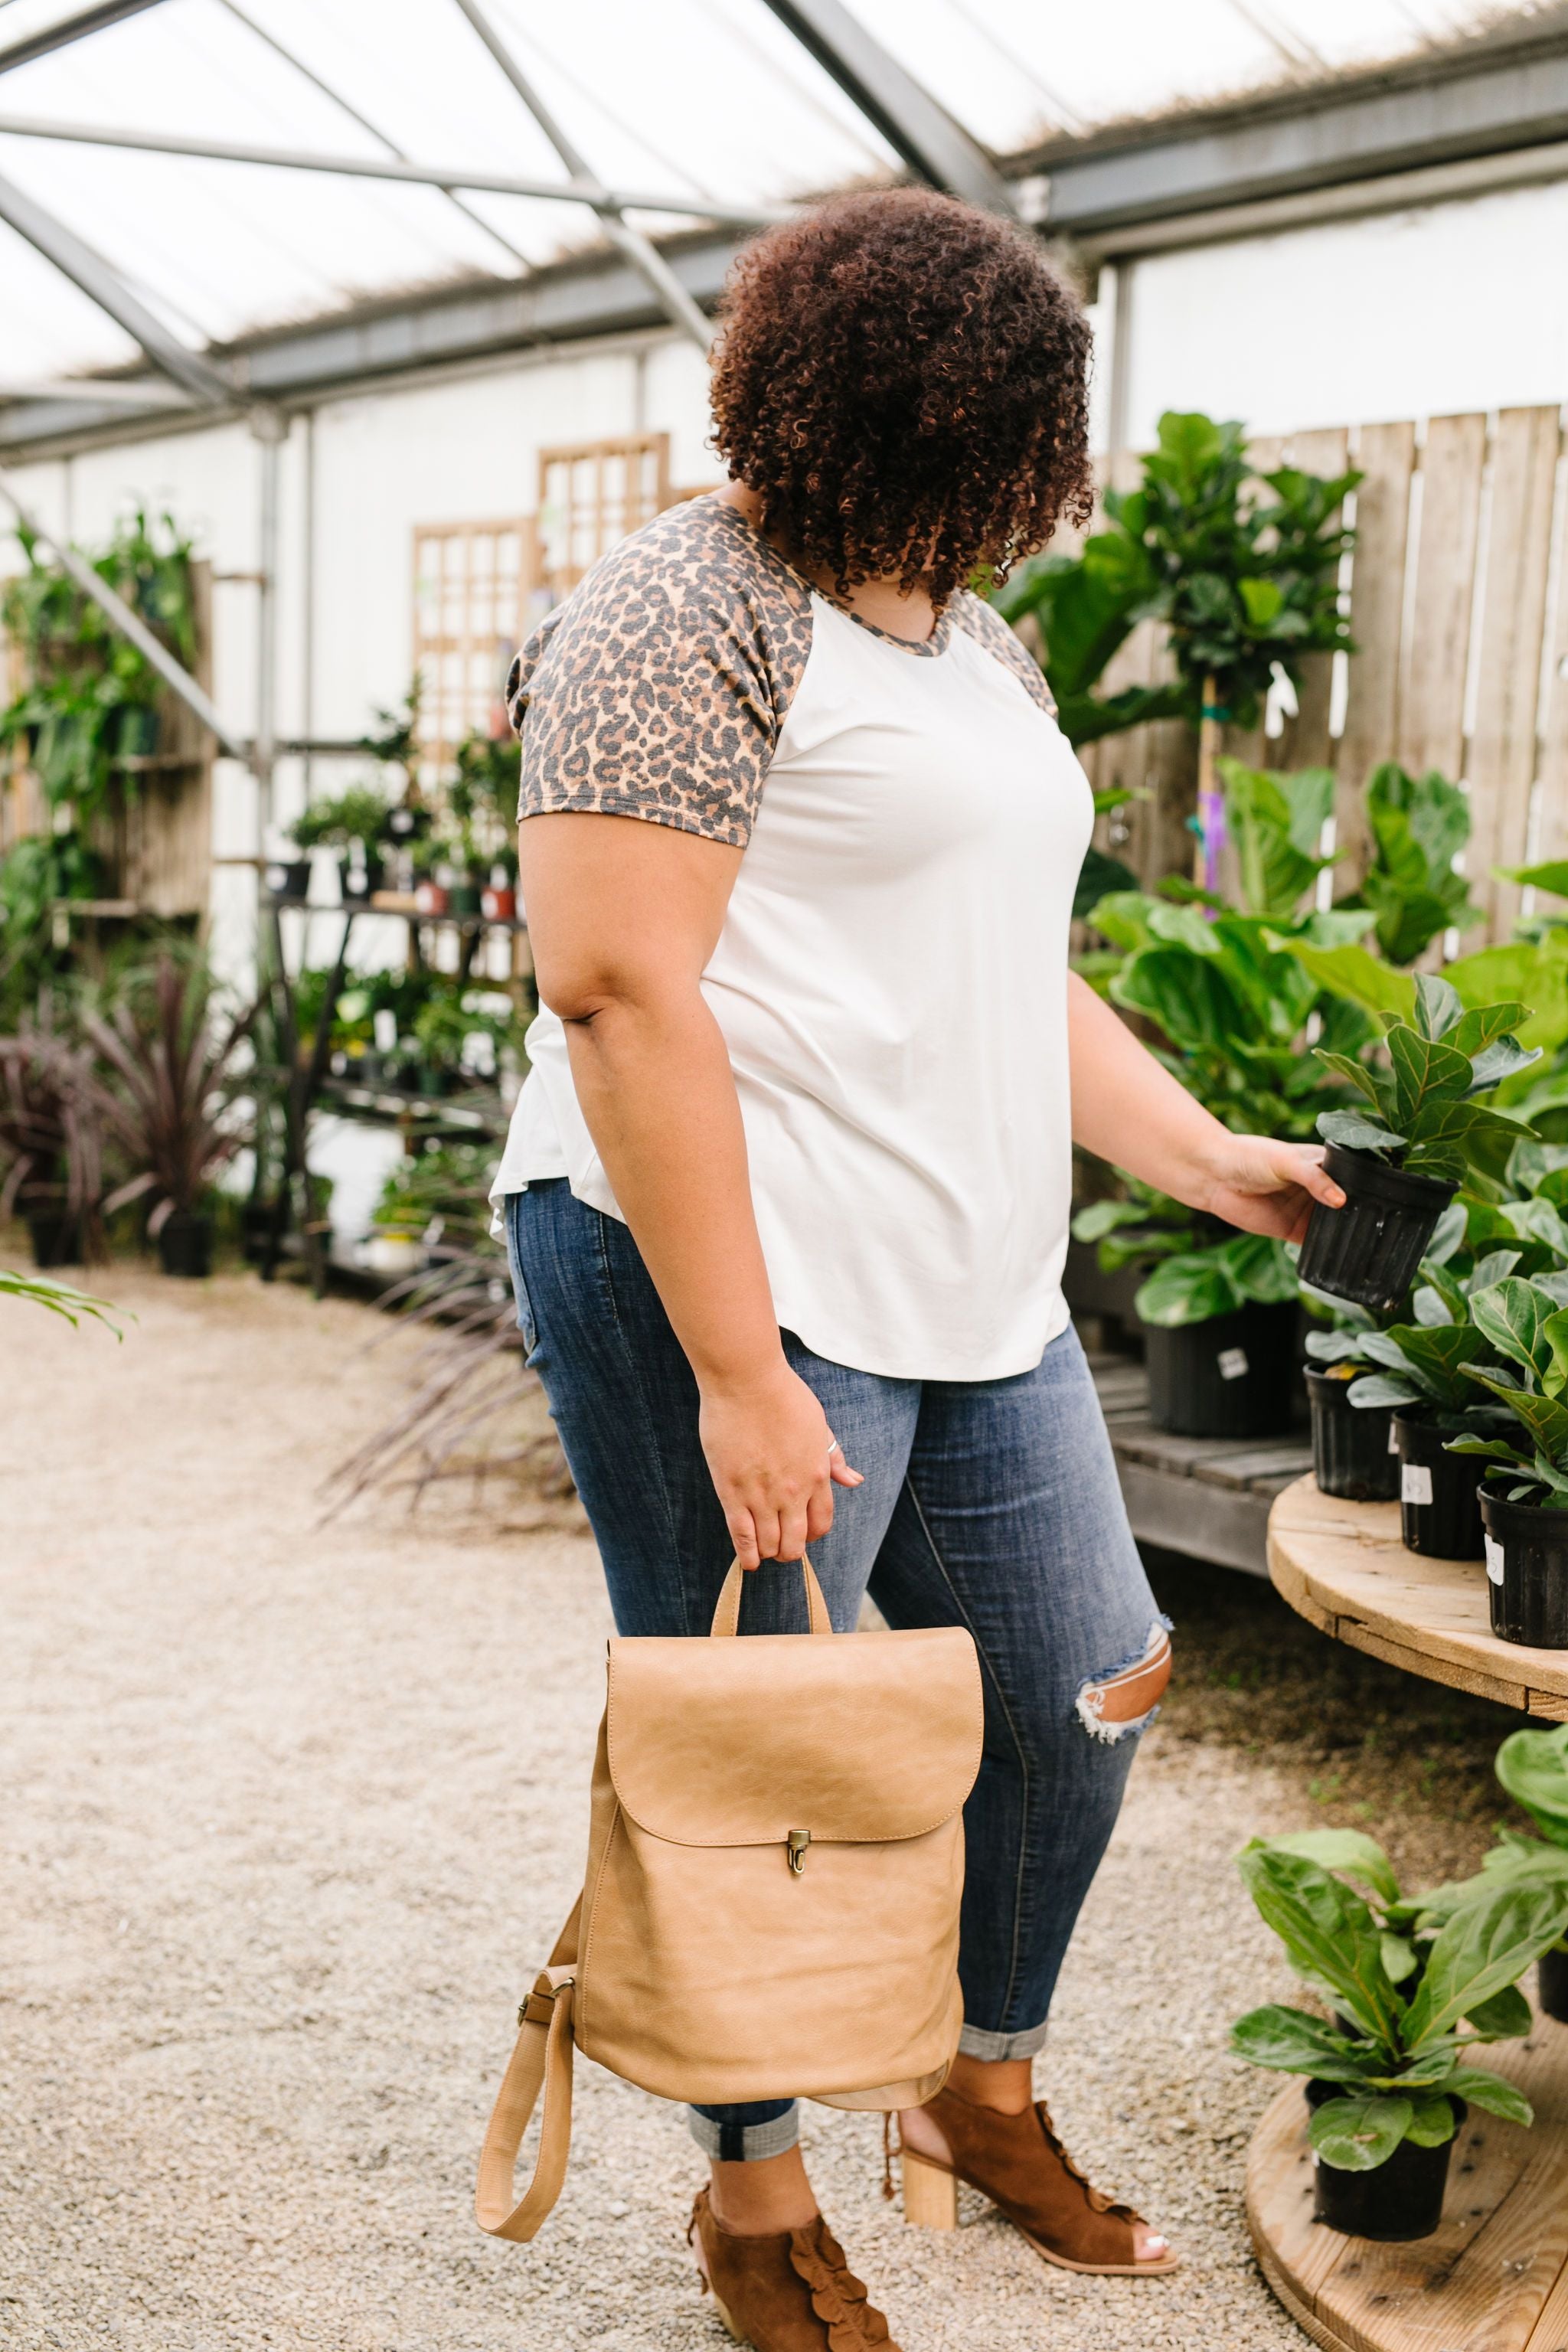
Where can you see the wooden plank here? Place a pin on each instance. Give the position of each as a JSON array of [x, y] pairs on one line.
[[1246, 1468], [1552, 796], [1428, 1615], [1387, 456], [1217, 1524], [1501, 765], [1489, 2279], [1306, 741], [1432, 697]]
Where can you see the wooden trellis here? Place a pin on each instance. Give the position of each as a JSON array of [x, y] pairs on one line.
[[1458, 601]]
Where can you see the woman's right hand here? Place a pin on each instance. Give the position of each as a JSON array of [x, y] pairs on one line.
[[774, 1462]]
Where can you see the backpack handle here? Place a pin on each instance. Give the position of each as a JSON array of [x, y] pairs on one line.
[[727, 1615], [540, 2061]]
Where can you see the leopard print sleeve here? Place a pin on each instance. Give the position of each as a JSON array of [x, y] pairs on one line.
[[658, 689], [984, 623]]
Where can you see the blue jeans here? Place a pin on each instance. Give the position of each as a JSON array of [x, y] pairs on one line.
[[988, 1504]]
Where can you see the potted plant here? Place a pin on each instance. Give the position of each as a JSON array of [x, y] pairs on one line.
[[165, 1095], [1422, 1375], [51, 1171], [353, 824], [1524, 1506], [498, 900], [1386, 2082], [1221, 1338], [1534, 1767], [1355, 1455], [1400, 1160], [287, 879]]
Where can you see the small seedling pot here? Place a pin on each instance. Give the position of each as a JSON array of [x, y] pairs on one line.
[[432, 898], [1354, 1452], [1439, 1511], [358, 878], [56, 1238], [1526, 1571], [498, 902], [1231, 1377], [256, 1219], [289, 881], [1552, 1983], [1395, 2201], [1369, 1250], [186, 1246], [464, 896]]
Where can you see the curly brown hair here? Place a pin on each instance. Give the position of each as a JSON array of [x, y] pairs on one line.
[[900, 379]]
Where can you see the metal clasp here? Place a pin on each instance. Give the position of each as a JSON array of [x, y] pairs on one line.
[[797, 1842]]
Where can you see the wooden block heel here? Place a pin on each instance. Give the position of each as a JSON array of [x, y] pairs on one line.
[[930, 2194]]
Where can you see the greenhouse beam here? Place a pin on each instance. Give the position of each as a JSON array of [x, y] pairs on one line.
[[914, 125], [643, 255], [101, 284], [68, 29]]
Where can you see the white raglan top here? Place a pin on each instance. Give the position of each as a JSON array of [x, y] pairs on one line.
[[891, 975]]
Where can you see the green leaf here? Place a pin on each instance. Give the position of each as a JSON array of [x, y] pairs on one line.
[[1190, 1288], [1103, 1217], [1352, 972], [1534, 1767], [1349, 1851], [1257, 1266], [1355, 1074], [1551, 875], [1513, 1316], [1399, 1958], [1545, 1418], [1432, 2123], [1289, 2041], [1424, 1073], [1486, 1025], [1487, 1945], [1439, 1005], [1481, 2088], [1358, 2135], [1355, 1132], [1330, 1936], [1502, 1060], [1506, 2017], [1383, 1388]]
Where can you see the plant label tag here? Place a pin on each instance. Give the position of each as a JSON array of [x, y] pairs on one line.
[[1392, 1433], [1232, 1363], [1494, 1559], [1414, 1483]]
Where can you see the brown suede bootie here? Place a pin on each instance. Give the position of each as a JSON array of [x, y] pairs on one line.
[[792, 2293], [1020, 2164]]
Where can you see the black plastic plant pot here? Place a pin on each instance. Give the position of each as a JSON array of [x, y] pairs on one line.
[[359, 880], [56, 1238], [1526, 1571], [1369, 1250], [256, 1229], [1439, 1506], [186, 1246], [464, 897], [289, 881], [1552, 1983], [1232, 1377], [1398, 2201], [1354, 1452]]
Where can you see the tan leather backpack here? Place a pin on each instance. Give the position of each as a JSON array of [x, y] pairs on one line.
[[775, 1861]]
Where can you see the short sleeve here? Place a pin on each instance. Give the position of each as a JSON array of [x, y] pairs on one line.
[[658, 689], [984, 623]]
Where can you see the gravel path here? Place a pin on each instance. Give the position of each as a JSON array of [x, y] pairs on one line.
[[292, 1811]]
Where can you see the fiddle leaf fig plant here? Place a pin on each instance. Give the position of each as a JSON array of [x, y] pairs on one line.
[[1528, 1325], [1422, 1113], [1410, 1996]]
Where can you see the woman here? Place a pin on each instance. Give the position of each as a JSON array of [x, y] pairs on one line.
[[787, 1190]]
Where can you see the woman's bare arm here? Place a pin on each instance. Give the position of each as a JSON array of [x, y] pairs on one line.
[[623, 916], [1130, 1110]]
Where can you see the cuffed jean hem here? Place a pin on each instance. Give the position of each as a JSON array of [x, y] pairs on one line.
[[728, 2137], [976, 2042]]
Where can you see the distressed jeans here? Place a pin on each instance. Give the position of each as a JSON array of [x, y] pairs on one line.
[[992, 1505]]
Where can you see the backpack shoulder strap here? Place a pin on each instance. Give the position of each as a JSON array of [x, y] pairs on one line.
[[541, 2061]]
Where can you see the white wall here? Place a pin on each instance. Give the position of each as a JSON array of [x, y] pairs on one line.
[[1456, 307]]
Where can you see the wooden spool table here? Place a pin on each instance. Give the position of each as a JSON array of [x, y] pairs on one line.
[[1494, 2276]]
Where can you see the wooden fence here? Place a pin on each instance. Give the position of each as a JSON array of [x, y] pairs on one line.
[[1458, 602]]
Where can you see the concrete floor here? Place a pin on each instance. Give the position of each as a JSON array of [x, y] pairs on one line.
[[292, 1813]]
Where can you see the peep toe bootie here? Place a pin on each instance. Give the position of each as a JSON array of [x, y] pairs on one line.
[[1020, 2164], [791, 2293]]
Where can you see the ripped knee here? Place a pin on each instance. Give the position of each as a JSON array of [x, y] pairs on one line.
[[1114, 1704]]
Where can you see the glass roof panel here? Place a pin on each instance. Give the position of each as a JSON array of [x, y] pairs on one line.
[[703, 99]]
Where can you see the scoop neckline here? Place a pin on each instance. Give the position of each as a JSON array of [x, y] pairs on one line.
[[927, 649]]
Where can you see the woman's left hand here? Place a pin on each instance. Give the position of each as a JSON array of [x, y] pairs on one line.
[[1266, 1187]]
